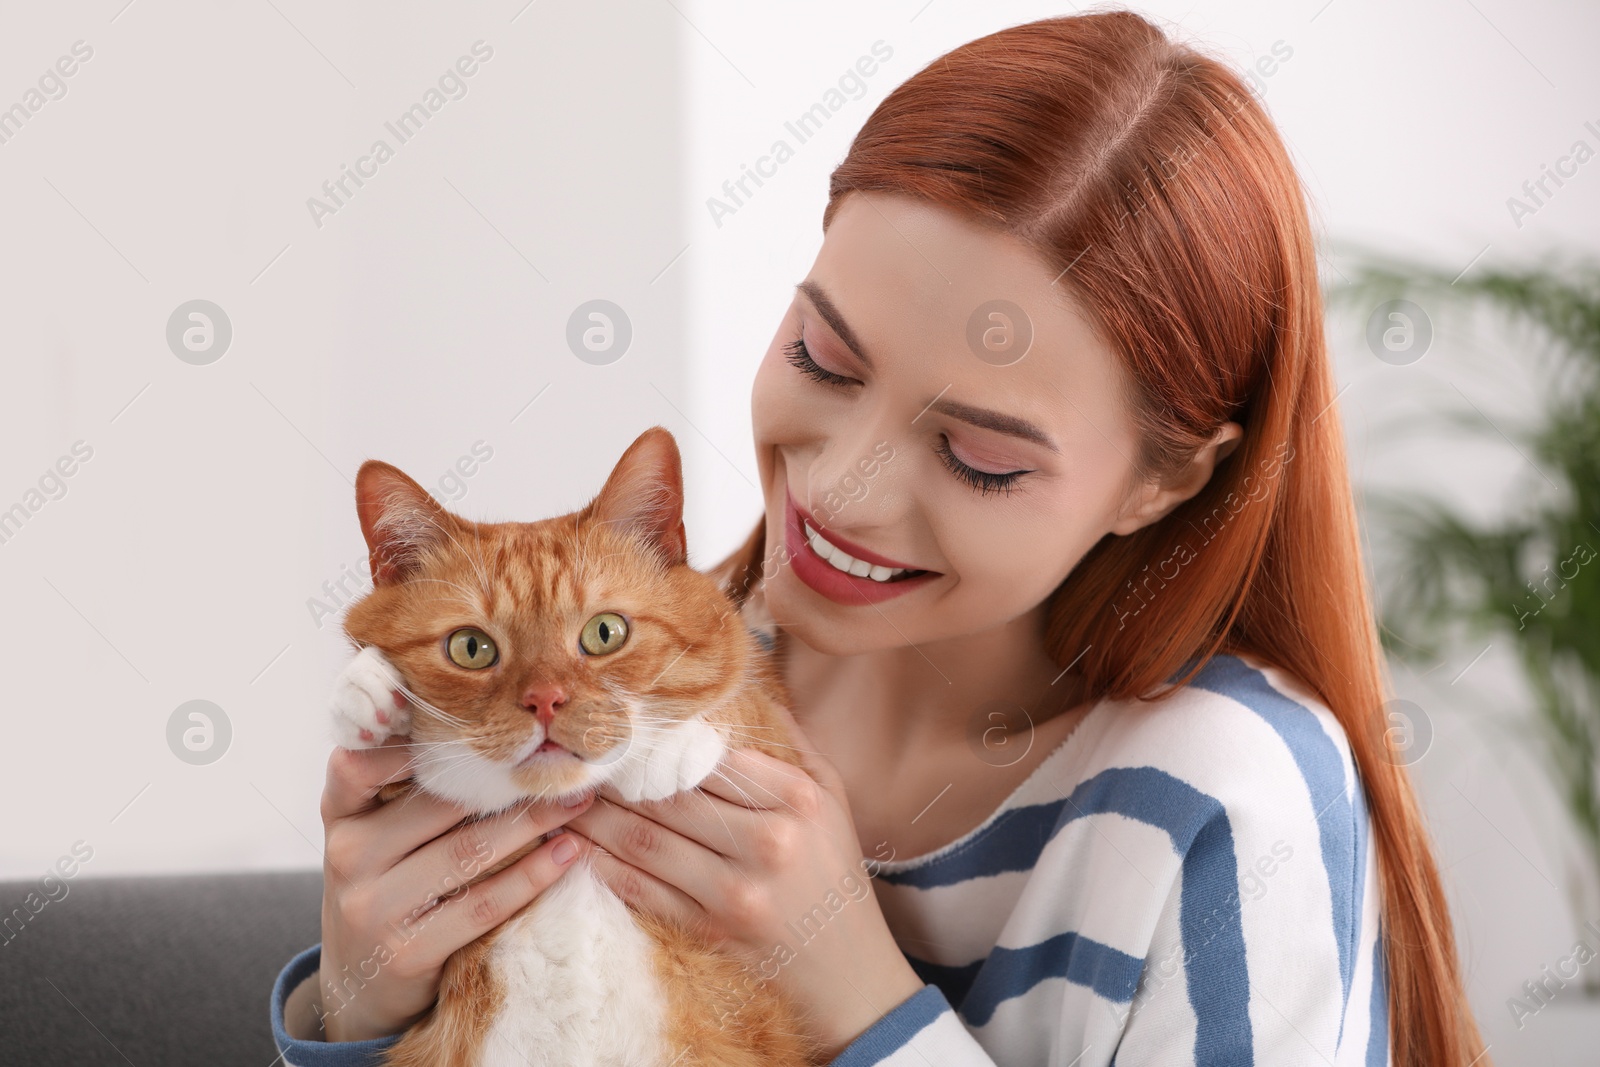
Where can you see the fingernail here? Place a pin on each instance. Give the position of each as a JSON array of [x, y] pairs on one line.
[[565, 850], [578, 801]]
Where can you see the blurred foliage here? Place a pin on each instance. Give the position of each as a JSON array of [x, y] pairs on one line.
[[1532, 576]]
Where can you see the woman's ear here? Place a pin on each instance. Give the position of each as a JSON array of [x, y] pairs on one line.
[[1153, 501]]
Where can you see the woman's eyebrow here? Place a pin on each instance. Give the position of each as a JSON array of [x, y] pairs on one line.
[[994, 420], [981, 417], [830, 314]]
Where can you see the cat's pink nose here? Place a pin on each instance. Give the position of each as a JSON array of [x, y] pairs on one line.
[[543, 701]]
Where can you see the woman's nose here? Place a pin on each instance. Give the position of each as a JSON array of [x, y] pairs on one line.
[[848, 473]]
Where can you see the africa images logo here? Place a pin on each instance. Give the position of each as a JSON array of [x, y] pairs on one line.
[[804, 127], [451, 85]]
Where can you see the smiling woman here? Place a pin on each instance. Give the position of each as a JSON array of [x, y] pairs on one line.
[[1151, 505]]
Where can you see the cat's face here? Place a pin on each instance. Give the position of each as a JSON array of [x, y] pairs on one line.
[[546, 658]]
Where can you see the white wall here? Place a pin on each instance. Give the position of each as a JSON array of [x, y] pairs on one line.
[[415, 323]]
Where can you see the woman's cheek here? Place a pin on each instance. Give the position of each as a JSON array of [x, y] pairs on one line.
[[1015, 561]]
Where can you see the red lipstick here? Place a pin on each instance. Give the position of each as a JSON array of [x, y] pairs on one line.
[[829, 581]]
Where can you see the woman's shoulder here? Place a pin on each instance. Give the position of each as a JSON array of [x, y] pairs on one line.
[[1236, 802], [1243, 739]]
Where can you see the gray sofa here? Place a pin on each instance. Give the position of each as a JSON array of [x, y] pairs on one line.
[[162, 970]]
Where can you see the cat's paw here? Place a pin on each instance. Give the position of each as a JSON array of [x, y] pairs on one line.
[[675, 760], [368, 705]]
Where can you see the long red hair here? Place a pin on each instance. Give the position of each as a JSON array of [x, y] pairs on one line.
[[1150, 175]]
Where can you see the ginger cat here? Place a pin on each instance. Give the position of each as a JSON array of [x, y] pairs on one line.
[[542, 659]]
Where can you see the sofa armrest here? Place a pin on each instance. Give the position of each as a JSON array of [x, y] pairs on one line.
[[175, 970]]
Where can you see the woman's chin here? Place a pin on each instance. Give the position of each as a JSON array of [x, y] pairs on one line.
[[817, 623]]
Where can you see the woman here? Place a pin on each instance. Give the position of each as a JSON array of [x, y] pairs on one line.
[[1060, 556]]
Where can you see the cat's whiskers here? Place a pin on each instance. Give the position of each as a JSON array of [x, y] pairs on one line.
[[472, 557], [580, 565], [419, 761], [460, 753], [440, 753], [476, 559], [431, 708], [438, 764], [451, 743], [477, 554], [722, 774], [493, 580], [738, 732], [466, 599], [589, 532]]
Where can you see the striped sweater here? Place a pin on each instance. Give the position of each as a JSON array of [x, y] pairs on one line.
[[1183, 882]]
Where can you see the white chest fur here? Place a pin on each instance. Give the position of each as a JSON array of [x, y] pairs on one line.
[[581, 988]]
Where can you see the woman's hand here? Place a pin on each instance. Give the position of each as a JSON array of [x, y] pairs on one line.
[[764, 859], [384, 866]]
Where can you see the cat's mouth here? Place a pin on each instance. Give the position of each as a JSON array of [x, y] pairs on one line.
[[546, 751]]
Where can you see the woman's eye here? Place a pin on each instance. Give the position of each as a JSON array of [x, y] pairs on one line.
[[471, 648], [604, 634], [983, 481], [800, 358]]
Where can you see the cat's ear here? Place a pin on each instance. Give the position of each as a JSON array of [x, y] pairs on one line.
[[399, 519], [645, 494]]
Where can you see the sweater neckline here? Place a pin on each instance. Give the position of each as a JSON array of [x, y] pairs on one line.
[[1057, 755]]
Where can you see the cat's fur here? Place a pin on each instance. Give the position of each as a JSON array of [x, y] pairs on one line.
[[577, 977]]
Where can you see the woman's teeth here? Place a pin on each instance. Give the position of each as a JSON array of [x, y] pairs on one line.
[[843, 561]]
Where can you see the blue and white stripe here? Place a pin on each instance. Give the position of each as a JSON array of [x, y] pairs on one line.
[[1188, 881]]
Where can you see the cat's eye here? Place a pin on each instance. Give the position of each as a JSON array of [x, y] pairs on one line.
[[472, 649], [603, 634]]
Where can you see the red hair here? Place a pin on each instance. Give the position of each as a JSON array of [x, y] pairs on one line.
[[1150, 176]]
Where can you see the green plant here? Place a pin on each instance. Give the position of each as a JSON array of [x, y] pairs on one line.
[[1532, 577]]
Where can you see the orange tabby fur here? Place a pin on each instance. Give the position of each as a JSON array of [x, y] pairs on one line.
[[531, 587]]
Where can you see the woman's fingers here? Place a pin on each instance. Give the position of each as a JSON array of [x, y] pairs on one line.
[[645, 891], [457, 857], [705, 819], [752, 779], [427, 940], [393, 831], [653, 848], [364, 847], [355, 775]]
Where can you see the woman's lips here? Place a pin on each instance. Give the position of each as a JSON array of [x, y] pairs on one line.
[[826, 579], [850, 547]]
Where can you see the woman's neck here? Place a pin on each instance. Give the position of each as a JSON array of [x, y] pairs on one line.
[[940, 694]]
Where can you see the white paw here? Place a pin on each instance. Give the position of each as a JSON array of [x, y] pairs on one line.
[[678, 759], [367, 703]]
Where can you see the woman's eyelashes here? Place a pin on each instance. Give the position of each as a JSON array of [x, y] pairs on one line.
[[800, 358], [983, 481]]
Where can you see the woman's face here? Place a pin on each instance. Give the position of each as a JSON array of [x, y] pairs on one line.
[[912, 437]]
